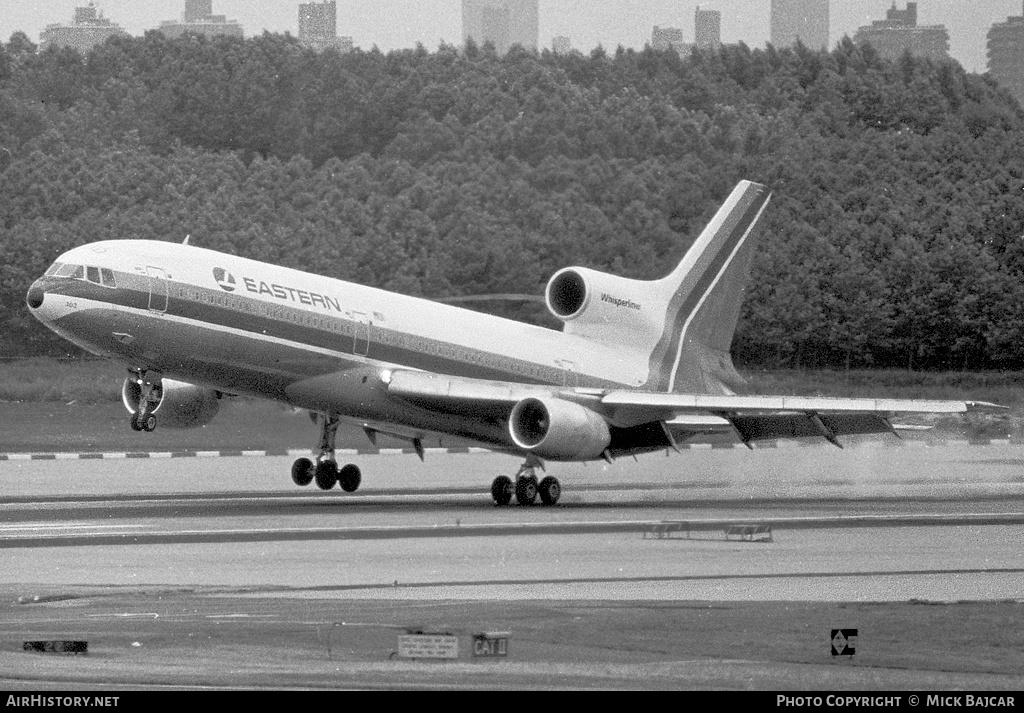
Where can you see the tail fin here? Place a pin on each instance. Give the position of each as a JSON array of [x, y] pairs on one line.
[[707, 291]]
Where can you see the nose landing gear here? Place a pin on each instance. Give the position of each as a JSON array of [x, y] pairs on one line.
[[150, 391], [325, 471]]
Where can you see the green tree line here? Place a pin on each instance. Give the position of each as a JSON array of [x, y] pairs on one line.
[[895, 237]]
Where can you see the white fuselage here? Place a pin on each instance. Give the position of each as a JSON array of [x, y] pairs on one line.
[[242, 326]]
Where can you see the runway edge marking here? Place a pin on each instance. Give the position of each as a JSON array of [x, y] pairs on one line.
[[297, 452], [291, 452]]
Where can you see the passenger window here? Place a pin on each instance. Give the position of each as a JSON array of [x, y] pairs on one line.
[[108, 277], [53, 268], [92, 274]]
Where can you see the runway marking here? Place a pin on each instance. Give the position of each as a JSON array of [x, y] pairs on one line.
[[657, 578], [152, 537], [63, 526], [28, 507]]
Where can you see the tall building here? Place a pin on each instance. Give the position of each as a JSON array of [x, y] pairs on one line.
[[318, 26], [804, 20], [708, 28], [88, 29], [664, 37], [561, 45], [1006, 55], [502, 22], [199, 19], [899, 33]]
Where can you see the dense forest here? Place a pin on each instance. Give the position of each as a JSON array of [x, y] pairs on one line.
[[895, 237]]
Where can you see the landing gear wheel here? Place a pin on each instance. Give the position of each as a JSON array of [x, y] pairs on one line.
[[142, 394], [502, 489], [526, 491], [326, 474], [349, 478], [550, 490], [303, 471]]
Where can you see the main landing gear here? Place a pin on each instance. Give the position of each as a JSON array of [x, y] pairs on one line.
[[150, 388], [526, 488], [325, 471]]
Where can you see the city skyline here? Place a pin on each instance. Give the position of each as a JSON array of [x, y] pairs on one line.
[[398, 24]]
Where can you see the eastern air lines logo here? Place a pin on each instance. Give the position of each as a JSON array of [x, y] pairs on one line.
[[224, 278]]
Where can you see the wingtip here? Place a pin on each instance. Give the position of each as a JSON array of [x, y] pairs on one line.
[[982, 406]]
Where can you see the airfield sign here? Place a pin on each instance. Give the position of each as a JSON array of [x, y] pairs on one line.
[[428, 646], [491, 644]]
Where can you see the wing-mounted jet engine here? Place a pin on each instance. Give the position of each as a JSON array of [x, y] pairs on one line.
[[177, 403], [557, 429]]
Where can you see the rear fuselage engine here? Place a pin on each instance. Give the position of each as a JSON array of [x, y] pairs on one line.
[[606, 307]]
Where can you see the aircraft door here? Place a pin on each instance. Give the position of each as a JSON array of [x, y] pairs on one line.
[[361, 331], [570, 378], [157, 289]]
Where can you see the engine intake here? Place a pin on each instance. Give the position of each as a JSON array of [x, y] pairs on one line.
[[559, 430], [179, 404], [567, 294]]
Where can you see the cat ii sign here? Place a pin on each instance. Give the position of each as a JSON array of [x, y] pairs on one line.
[[492, 644]]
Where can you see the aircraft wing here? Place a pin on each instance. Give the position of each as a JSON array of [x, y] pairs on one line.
[[683, 418], [756, 418]]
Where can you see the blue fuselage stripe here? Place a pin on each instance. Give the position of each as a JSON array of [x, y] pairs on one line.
[[319, 328]]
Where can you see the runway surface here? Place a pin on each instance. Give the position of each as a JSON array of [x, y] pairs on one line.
[[873, 523]]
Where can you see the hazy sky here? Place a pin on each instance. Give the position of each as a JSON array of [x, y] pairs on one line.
[[393, 24]]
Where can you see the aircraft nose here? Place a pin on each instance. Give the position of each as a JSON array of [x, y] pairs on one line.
[[35, 296]]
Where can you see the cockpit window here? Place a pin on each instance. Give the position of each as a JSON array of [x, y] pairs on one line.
[[100, 276], [76, 271]]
